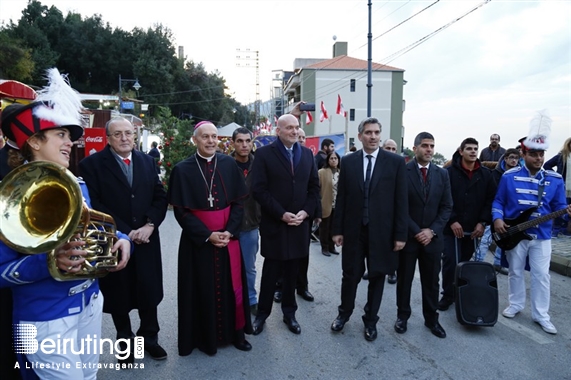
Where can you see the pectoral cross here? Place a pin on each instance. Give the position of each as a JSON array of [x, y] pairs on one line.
[[211, 200]]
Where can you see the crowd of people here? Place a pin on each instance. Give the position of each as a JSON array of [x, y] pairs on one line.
[[230, 207]]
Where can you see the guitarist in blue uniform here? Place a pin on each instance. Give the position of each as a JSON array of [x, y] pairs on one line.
[[528, 197]]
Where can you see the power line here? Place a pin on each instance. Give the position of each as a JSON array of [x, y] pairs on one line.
[[405, 50]]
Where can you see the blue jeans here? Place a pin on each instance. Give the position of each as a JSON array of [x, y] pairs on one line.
[[249, 244], [485, 243]]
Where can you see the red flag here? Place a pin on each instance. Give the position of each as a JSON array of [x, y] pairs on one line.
[[323, 115], [340, 109], [308, 118]]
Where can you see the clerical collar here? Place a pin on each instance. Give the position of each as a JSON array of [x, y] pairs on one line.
[[208, 159]]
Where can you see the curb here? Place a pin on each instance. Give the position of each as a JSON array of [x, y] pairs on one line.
[[561, 265]]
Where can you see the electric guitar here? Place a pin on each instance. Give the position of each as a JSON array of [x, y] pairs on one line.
[[516, 232]]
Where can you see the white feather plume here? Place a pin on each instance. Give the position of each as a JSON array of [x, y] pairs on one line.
[[64, 103], [539, 131]]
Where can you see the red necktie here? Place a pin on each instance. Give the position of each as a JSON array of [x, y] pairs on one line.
[[127, 161], [423, 171]]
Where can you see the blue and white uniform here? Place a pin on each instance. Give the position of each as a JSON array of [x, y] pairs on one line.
[[58, 309], [517, 192]]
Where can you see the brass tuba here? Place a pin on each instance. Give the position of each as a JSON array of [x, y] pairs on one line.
[[42, 207]]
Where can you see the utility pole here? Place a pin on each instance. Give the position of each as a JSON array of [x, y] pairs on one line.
[[369, 62], [247, 59]]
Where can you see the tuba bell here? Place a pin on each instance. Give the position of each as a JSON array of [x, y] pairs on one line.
[[42, 207]]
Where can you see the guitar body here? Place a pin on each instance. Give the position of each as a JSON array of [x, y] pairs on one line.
[[513, 236]]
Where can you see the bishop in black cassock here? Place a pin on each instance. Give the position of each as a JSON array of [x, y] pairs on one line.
[[213, 307]]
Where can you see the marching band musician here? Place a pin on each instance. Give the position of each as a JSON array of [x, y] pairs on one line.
[[44, 131], [521, 188]]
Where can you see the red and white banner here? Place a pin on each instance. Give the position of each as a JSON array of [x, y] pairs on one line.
[[323, 115], [95, 140], [340, 109], [308, 118]]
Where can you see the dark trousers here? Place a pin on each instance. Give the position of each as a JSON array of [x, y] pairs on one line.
[[353, 269], [271, 272], [429, 268], [455, 251], [325, 236], [149, 328]]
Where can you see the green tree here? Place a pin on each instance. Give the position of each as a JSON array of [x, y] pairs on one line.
[[15, 62], [175, 140]]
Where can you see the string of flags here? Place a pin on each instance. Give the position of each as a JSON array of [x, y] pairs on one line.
[[323, 114], [266, 127]]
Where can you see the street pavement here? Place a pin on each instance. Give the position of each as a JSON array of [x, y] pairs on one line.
[[513, 349], [561, 255]]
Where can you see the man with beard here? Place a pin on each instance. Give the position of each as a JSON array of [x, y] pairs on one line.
[[430, 205], [493, 152], [520, 189], [249, 230], [473, 191]]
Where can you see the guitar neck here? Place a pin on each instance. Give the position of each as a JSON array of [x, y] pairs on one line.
[[532, 223]]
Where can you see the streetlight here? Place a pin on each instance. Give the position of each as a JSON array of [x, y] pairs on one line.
[[136, 86]]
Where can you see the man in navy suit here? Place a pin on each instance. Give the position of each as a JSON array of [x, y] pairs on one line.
[[123, 183], [286, 185], [371, 220], [429, 207]]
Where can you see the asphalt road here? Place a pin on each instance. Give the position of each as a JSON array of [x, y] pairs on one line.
[[512, 349]]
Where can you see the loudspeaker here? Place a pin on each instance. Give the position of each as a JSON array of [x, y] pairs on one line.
[[476, 295]]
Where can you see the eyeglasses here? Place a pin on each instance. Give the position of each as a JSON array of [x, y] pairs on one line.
[[119, 134], [513, 158]]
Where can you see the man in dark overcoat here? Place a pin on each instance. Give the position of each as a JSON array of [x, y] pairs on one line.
[[371, 220], [286, 185], [123, 182]]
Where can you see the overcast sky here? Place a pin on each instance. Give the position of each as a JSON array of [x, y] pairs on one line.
[[487, 73]]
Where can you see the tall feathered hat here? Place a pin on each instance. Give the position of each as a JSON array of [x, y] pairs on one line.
[[57, 105], [539, 131]]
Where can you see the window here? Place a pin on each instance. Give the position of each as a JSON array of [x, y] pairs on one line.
[[352, 114], [352, 85]]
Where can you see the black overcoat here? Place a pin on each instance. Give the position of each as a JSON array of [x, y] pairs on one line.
[[388, 209], [278, 190], [140, 285]]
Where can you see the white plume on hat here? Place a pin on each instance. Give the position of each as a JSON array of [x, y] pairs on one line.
[[539, 131], [64, 103]]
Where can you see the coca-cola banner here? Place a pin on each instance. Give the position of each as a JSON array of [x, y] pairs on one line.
[[95, 140]]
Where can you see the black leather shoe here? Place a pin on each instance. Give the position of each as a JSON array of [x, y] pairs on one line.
[[370, 333], [400, 326], [392, 278], [129, 359], [243, 345], [156, 352], [325, 252], [339, 323], [501, 270], [436, 330], [258, 326], [366, 276], [278, 296], [444, 303], [292, 325], [333, 251], [306, 295]]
